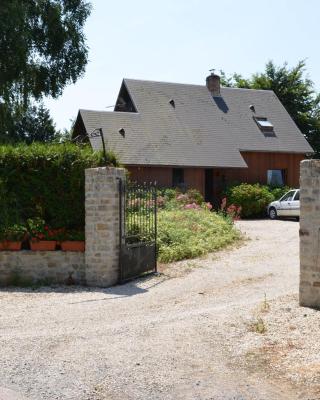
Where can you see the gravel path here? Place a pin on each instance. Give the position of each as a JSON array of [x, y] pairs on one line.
[[186, 334]]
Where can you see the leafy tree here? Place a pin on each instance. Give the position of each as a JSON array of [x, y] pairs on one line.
[[295, 91], [42, 49], [35, 125], [28, 124]]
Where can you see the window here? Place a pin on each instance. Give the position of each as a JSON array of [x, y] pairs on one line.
[[177, 177], [276, 177], [297, 196], [288, 196], [265, 126]]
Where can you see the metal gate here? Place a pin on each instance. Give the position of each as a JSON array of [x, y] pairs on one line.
[[138, 230]]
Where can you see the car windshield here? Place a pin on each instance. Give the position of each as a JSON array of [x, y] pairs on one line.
[[288, 196]]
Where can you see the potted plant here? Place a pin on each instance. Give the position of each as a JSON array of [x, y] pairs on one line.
[[72, 240], [42, 237], [11, 237]]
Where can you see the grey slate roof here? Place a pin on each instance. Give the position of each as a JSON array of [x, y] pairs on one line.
[[200, 131]]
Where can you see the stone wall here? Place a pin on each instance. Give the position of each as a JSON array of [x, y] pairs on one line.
[[26, 267], [99, 265], [310, 233]]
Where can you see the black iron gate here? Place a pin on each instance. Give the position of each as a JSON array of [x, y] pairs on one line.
[[138, 230]]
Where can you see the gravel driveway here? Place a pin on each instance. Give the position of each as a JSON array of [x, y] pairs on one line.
[[179, 335]]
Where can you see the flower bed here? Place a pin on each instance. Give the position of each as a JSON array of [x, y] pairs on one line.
[[186, 226]]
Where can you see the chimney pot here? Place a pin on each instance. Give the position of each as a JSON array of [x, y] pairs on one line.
[[213, 84]]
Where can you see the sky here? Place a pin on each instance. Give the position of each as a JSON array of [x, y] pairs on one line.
[[181, 40]]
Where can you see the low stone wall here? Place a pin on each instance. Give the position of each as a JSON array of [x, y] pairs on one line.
[[310, 233], [99, 265], [24, 268]]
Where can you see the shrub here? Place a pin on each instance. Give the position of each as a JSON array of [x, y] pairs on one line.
[[191, 233], [45, 181], [278, 192], [253, 199]]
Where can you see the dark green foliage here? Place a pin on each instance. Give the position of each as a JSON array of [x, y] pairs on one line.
[[42, 46], [294, 90], [253, 199], [28, 124], [45, 181], [42, 50]]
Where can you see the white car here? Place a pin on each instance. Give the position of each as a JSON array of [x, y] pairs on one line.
[[287, 206]]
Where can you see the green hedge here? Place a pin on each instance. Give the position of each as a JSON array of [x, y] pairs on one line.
[[46, 181], [253, 199]]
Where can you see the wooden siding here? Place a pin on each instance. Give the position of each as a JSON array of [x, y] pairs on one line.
[[193, 177], [258, 165], [162, 175]]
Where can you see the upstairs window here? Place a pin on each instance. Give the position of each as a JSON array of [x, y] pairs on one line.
[[276, 177], [265, 126]]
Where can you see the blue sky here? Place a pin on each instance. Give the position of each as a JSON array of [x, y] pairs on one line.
[[180, 40]]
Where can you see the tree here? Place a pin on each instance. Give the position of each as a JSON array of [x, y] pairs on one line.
[[42, 49], [35, 125], [294, 90], [32, 124]]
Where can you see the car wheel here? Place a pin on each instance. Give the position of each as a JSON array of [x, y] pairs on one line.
[[273, 213]]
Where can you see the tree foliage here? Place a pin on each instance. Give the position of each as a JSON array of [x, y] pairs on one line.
[[42, 49], [28, 124], [294, 89]]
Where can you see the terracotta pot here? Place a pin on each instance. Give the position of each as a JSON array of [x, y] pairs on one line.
[[11, 246], [43, 245], [75, 245]]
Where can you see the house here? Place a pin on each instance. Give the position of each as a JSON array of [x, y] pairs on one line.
[[202, 137]]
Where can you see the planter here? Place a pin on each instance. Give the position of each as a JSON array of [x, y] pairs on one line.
[[43, 245], [73, 245], [10, 246]]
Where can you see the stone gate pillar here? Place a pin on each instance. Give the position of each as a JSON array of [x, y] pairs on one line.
[[102, 225], [310, 233]]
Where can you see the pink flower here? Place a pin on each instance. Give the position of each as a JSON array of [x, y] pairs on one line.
[[182, 197], [193, 206], [223, 203]]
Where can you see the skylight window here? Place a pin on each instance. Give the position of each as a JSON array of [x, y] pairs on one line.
[[265, 126]]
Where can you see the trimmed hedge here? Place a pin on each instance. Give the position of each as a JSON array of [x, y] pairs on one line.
[[46, 181]]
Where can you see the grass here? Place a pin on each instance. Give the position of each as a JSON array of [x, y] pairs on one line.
[[185, 234], [258, 326]]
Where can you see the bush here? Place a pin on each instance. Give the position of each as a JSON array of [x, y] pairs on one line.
[[278, 192], [45, 181], [191, 233], [253, 199], [172, 199]]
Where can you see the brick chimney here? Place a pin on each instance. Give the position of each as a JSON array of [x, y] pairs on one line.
[[213, 84]]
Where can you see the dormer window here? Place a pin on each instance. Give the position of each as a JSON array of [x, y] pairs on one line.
[[265, 126]]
